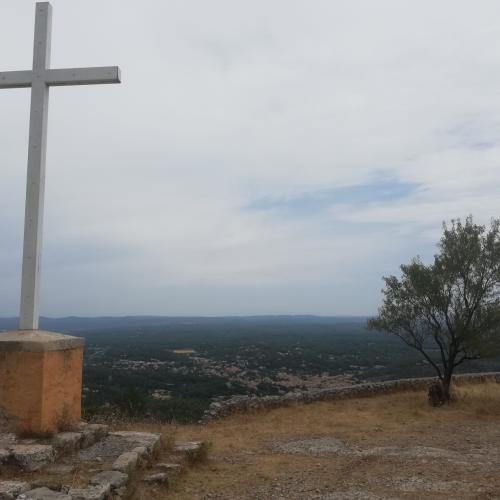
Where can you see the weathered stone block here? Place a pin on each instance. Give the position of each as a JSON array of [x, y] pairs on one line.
[[67, 442], [126, 462], [113, 478], [92, 433], [43, 494], [41, 379], [32, 457], [149, 440], [158, 477]]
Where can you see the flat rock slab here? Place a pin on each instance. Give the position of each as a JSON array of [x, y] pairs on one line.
[[43, 494], [152, 442], [106, 450], [121, 450], [323, 446], [32, 457], [314, 446], [11, 489], [114, 479], [126, 462]]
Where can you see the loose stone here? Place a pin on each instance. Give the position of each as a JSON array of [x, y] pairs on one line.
[[159, 477], [169, 467], [92, 433]]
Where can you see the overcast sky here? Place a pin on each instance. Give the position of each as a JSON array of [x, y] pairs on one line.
[[260, 156]]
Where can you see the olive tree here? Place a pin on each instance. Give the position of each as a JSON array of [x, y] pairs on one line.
[[452, 305]]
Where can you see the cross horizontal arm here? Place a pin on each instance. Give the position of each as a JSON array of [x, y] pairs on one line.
[[82, 76], [15, 79]]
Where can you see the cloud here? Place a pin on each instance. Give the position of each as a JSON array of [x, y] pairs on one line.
[[258, 156]]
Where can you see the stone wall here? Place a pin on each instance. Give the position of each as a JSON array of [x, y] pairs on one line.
[[220, 408]]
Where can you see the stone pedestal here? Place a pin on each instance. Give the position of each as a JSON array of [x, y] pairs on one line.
[[41, 380]]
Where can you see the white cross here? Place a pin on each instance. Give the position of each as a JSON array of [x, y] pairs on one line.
[[40, 78]]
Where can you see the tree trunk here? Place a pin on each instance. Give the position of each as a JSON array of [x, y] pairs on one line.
[[439, 392], [446, 383]]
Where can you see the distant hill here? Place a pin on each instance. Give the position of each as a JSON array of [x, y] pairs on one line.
[[75, 323]]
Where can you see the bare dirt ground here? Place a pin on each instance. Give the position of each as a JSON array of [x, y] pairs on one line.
[[383, 447]]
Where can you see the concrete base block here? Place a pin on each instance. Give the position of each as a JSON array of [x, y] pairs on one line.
[[41, 380]]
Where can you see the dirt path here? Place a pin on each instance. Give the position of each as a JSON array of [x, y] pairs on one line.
[[385, 447]]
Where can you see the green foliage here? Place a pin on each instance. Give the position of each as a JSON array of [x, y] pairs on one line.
[[452, 304]]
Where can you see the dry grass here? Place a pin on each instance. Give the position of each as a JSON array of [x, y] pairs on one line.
[[240, 457], [349, 418]]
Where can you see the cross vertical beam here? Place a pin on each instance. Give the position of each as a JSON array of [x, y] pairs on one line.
[[35, 185], [40, 79]]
